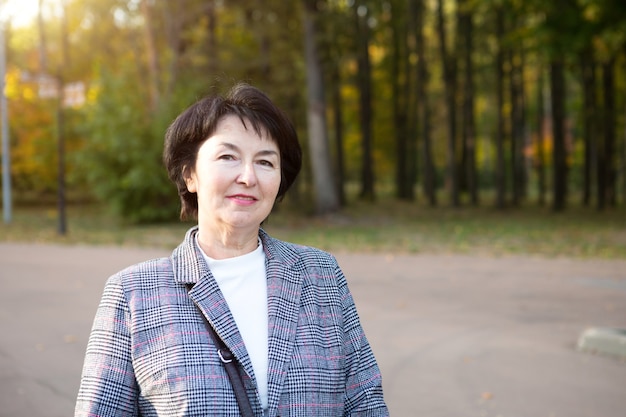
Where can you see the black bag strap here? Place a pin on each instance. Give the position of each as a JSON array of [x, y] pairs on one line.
[[230, 364]]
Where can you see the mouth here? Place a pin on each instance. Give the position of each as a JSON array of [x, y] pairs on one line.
[[243, 197]]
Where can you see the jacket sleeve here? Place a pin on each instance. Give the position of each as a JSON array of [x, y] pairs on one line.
[[108, 386], [364, 393]]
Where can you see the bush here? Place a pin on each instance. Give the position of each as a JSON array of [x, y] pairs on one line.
[[121, 158]]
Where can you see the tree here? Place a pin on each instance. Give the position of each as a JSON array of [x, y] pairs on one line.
[[607, 171], [500, 179], [337, 106], [429, 176], [466, 32], [450, 80], [337, 54], [143, 61], [414, 121], [364, 79], [561, 22], [326, 197], [154, 74], [540, 133], [588, 71], [399, 78], [559, 155], [517, 114]]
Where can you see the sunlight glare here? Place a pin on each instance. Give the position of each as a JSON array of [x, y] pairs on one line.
[[19, 12]]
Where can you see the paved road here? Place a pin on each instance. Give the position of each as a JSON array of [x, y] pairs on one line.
[[454, 335]]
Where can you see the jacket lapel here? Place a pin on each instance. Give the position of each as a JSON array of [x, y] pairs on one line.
[[190, 268], [208, 297], [283, 289]]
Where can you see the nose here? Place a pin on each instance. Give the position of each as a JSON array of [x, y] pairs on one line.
[[247, 176]]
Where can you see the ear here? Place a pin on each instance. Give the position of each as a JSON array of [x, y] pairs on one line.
[[190, 181]]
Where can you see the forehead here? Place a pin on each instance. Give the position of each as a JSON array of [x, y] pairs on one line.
[[232, 132], [235, 125]]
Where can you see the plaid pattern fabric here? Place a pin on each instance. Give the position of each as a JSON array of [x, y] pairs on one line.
[[149, 353]]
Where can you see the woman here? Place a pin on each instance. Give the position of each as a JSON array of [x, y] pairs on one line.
[[284, 310]]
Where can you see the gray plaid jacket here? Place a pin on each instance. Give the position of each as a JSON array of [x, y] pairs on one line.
[[149, 353]]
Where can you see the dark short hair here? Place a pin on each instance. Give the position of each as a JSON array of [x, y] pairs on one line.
[[198, 122]]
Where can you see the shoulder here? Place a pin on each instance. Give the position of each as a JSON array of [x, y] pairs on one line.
[[310, 266], [145, 274], [294, 254]]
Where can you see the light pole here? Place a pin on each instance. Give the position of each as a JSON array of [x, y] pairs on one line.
[[4, 120], [62, 229]]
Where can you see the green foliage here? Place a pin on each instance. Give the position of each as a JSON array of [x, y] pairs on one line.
[[121, 158], [145, 64]]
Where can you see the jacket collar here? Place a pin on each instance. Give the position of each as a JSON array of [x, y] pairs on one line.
[[189, 266]]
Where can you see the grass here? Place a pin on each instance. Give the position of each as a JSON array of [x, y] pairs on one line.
[[387, 227]]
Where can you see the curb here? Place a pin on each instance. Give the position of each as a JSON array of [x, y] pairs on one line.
[[603, 340]]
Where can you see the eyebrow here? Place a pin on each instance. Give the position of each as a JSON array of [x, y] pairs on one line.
[[261, 153]]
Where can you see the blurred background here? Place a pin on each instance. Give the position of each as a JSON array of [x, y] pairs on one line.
[[490, 124], [465, 160]]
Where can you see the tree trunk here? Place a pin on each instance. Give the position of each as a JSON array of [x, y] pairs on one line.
[[326, 199], [175, 21], [153, 63], [517, 125], [449, 71], [515, 137], [609, 167], [364, 80], [212, 52], [500, 165], [411, 94], [423, 107], [541, 118], [400, 103], [60, 120], [623, 163], [557, 94], [338, 128], [523, 123], [587, 62], [469, 124]]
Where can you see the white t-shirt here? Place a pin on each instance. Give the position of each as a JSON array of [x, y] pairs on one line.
[[243, 282]]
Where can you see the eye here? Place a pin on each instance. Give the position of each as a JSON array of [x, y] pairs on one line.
[[266, 163], [226, 157]]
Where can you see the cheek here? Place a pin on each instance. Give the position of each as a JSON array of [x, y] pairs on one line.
[[272, 184]]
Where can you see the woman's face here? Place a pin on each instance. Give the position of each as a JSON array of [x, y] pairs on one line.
[[236, 177]]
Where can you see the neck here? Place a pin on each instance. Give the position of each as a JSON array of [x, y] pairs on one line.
[[227, 244]]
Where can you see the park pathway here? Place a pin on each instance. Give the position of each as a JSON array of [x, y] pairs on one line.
[[466, 336]]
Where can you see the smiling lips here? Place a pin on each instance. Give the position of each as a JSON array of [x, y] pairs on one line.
[[243, 199]]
